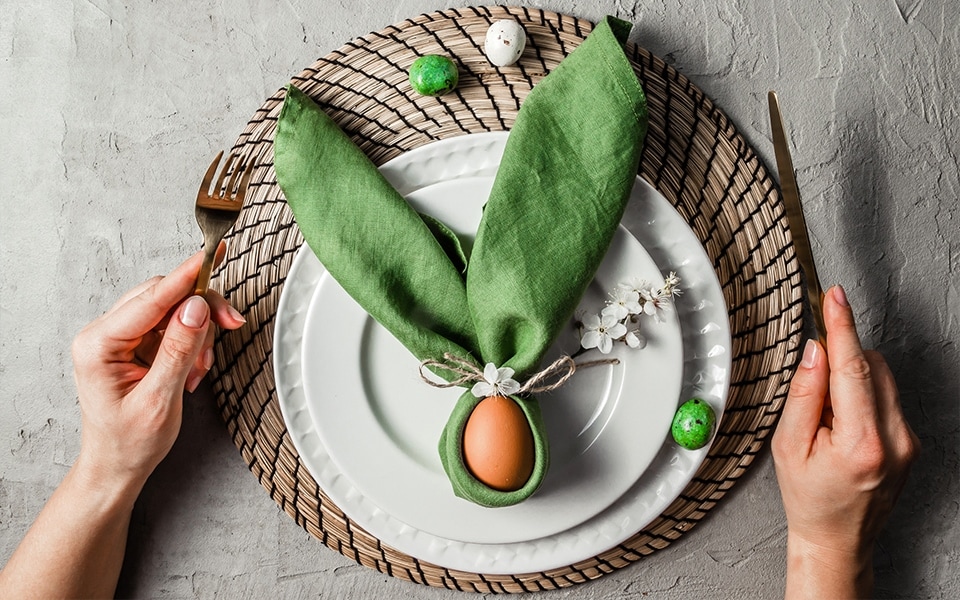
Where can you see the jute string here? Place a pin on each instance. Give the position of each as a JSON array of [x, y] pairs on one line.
[[561, 370]]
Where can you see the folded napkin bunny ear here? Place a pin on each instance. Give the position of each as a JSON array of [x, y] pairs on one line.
[[567, 170], [377, 247], [563, 182]]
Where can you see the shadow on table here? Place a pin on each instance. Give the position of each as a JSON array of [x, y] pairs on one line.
[[182, 486], [906, 330]]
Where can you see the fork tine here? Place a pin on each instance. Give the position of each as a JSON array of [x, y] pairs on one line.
[[245, 181], [238, 169], [223, 174], [208, 178]]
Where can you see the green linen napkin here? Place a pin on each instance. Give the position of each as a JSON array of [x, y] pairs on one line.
[[567, 170]]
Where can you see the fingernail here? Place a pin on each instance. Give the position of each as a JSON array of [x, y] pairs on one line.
[[811, 351], [193, 382], [194, 312], [840, 296], [235, 315], [208, 358]]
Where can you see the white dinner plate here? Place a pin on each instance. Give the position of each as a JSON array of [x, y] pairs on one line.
[[366, 427], [380, 423]]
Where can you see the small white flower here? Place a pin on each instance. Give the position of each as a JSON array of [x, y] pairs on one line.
[[670, 285], [496, 382], [601, 331], [655, 303], [635, 284], [635, 340], [623, 302]]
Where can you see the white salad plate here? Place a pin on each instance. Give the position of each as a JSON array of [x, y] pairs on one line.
[[367, 427]]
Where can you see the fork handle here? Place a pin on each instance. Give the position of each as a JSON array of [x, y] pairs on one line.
[[203, 279]]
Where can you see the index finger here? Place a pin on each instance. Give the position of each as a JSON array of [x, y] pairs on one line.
[[800, 419], [851, 384], [149, 283], [145, 310]]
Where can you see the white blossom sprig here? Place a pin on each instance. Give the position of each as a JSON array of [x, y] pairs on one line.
[[619, 320]]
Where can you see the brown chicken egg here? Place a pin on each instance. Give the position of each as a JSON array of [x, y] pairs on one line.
[[498, 444]]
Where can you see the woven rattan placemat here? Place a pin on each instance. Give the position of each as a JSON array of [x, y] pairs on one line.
[[693, 155]]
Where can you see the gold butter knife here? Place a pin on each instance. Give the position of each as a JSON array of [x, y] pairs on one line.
[[795, 220]]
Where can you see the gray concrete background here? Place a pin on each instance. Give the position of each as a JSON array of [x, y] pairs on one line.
[[111, 110]]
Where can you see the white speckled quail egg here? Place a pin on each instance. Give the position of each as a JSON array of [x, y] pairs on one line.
[[505, 42]]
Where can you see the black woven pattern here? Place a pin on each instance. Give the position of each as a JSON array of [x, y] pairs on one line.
[[693, 155]]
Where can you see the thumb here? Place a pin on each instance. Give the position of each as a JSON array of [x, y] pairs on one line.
[[182, 341]]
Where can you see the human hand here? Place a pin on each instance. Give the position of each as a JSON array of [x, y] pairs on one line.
[[839, 480], [132, 366]]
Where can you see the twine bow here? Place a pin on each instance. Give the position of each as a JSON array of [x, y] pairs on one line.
[[561, 370]]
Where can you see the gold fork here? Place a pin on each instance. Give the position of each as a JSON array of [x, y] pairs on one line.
[[218, 208]]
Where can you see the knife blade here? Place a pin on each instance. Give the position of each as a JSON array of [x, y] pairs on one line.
[[795, 220]]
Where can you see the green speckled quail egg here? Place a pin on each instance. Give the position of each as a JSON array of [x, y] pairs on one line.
[[433, 75], [693, 424]]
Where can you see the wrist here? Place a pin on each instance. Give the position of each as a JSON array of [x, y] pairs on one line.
[[109, 490], [817, 570]]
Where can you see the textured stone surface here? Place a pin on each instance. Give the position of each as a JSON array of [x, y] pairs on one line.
[[109, 111]]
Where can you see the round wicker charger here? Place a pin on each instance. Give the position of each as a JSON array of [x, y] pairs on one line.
[[693, 155]]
